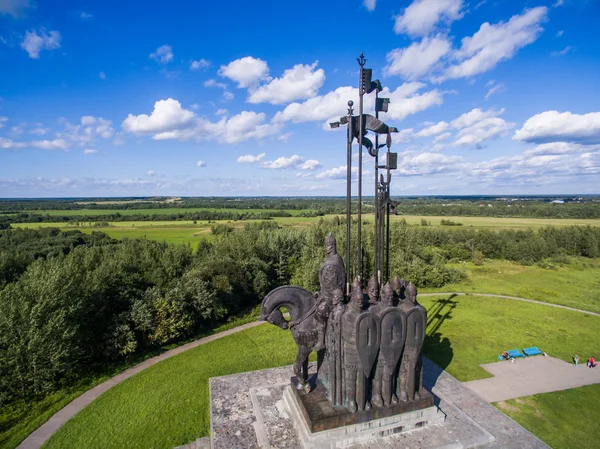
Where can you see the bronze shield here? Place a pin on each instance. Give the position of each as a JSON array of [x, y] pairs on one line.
[[393, 335], [367, 340]]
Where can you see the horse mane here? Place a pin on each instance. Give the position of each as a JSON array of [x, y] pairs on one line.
[[265, 302]]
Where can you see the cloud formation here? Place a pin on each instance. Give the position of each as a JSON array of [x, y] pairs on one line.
[[246, 72], [421, 16], [163, 54], [554, 126], [36, 41], [418, 59], [298, 83]]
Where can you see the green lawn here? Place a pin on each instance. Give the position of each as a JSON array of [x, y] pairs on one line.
[[576, 284], [563, 419], [167, 404]]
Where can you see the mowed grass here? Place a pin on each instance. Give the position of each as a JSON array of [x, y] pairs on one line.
[[563, 419], [576, 284], [168, 404]]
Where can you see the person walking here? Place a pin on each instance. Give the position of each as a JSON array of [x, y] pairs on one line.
[[576, 358]]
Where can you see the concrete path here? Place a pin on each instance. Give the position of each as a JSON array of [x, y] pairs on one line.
[[531, 375], [43, 433], [516, 298]]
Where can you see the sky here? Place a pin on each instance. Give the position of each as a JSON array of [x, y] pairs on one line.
[[232, 98]]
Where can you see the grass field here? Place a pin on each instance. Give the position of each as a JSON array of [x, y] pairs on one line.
[[576, 284], [167, 404], [563, 419], [188, 232]]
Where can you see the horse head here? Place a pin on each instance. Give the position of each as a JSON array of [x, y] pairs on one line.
[[276, 318]]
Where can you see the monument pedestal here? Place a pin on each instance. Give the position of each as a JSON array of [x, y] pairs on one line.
[[319, 414], [260, 410], [320, 425]]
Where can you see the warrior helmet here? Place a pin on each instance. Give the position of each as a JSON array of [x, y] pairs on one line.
[[411, 292], [330, 240], [357, 292], [387, 293]]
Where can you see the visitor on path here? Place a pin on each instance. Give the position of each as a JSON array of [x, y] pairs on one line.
[[576, 359], [591, 363]]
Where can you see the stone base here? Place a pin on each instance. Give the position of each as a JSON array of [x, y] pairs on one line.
[[250, 410], [360, 432], [319, 414]]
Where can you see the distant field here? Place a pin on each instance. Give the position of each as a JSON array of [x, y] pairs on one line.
[[165, 211], [188, 232]]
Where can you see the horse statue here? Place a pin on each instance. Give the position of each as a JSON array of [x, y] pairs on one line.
[[303, 307]]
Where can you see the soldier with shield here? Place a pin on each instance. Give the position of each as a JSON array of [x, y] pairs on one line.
[[410, 375], [390, 348]]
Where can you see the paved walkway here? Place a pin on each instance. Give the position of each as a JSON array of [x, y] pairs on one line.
[[531, 375], [516, 298], [43, 433]]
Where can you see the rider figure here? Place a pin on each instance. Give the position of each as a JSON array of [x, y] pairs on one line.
[[331, 277]]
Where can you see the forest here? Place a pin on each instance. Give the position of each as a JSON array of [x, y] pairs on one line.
[[74, 304]]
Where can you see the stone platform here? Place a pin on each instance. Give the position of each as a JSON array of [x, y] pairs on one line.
[[249, 410], [319, 415]]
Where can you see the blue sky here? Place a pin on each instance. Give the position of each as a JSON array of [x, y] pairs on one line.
[[233, 98]]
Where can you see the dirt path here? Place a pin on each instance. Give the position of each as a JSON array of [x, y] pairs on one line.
[[43, 433]]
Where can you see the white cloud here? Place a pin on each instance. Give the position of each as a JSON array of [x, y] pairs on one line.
[[417, 59], [562, 52], [311, 164], [221, 112], [411, 163], [3, 119], [370, 5], [441, 137], [559, 33], [483, 130], [554, 126], [422, 16], [168, 115], [39, 131], [559, 148], [56, 144], [34, 43], [102, 75], [84, 15], [337, 173], [90, 151], [293, 162], [170, 120], [151, 173], [404, 101], [246, 72], [433, 130], [558, 3], [500, 87], [15, 8], [298, 83], [250, 159], [163, 54], [200, 164], [199, 64], [494, 43], [474, 116]]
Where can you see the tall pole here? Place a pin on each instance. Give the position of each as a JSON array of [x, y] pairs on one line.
[[348, 195], [377, 218], [361, 62], [387, 238]]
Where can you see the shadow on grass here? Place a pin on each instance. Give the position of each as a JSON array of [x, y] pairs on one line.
[[437, 349]]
